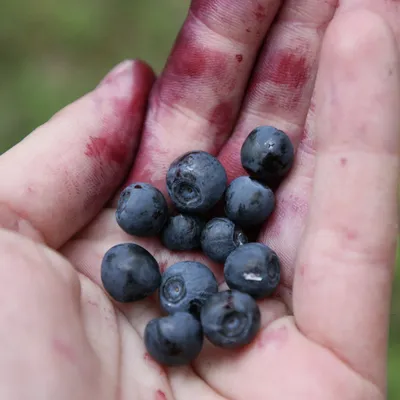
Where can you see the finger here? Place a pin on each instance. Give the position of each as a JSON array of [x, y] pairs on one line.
[[195, 102], [60, 176], [343, 277], [281, 86], [280, 94]]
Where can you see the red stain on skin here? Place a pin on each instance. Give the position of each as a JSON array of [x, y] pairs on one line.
[[194, 70], [120, 118], [187, 59], [288, 69], [260, 13], [248, 30], [190, 67], [107, 150], [343, 161], [273, 337], [160, 395], [192, 59], [119, 115], [221, 117], [277, 69], [65, 351], [302, 269]]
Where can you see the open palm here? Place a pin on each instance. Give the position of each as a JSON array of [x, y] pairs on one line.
[[324, 335]]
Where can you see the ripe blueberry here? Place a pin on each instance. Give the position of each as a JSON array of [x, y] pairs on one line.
[[248, 202], [129, 272], [267, 154], [142, 210], [220, 237], [174, 340], [230, 319], [185, 286], [196, 181], [254, 269], [182, 232]]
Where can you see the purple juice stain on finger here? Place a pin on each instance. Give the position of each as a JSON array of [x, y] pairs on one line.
[[289, 69], [189, 66], [106, 150], [280, 70], [222, 119], [119, 115], [260, 13]]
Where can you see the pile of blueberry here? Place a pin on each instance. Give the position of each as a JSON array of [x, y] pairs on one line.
[[188, 290]]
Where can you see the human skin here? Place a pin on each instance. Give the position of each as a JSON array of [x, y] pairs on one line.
[[324, 336]]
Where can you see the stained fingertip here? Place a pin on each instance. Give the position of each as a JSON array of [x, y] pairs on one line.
[[122, 93], [195, 102], [78, 158]]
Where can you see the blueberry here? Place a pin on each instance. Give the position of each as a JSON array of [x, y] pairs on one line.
[[254, 269], [185, 286], [129, 272], [142, 210], [267, 154], [182, 232], [220, 237], [196, 181], [248, 202], [230, 319], [174, 340]]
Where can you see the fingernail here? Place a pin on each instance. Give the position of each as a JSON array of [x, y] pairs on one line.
[[118, 71]]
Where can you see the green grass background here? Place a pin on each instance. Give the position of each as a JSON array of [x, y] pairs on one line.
[[52, 52]]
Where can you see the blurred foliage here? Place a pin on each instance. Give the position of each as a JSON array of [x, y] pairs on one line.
[[394, 343], [54, 52]]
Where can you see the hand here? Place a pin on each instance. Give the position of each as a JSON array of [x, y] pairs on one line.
[[62, 337]]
